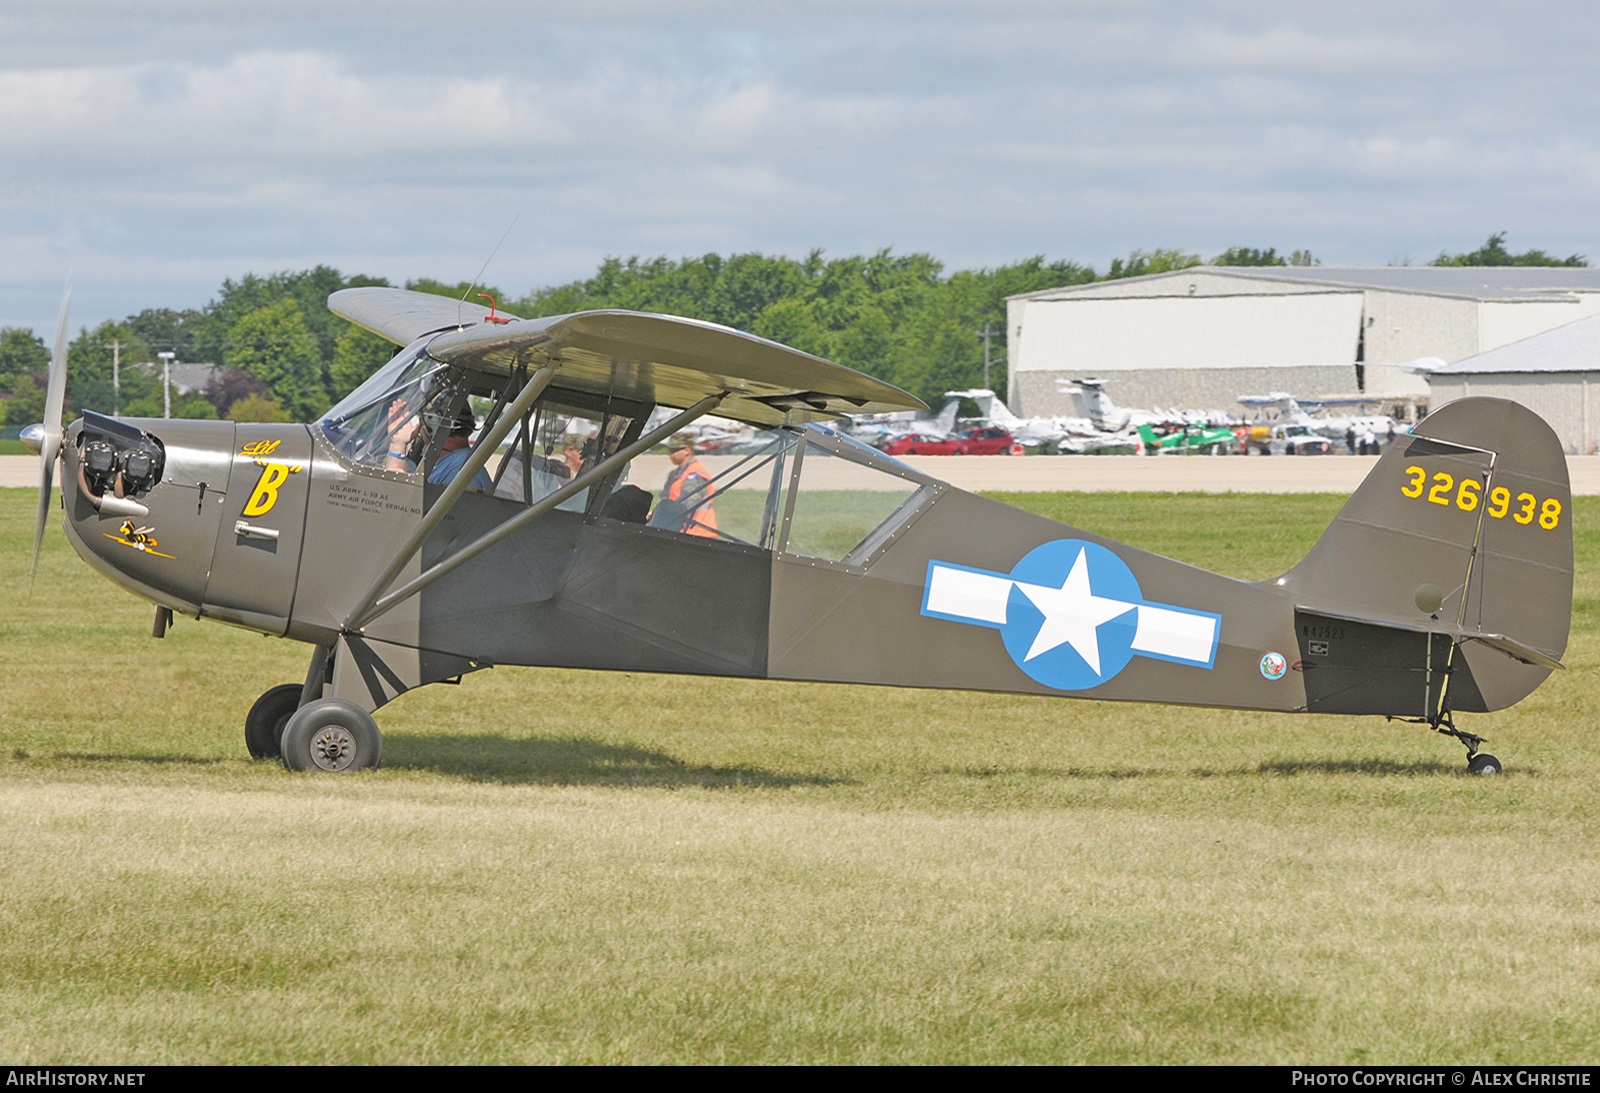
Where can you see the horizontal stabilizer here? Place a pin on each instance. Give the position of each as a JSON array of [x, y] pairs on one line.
[[1510, 646]]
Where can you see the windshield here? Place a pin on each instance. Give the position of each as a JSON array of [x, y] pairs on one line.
[[364, 422]]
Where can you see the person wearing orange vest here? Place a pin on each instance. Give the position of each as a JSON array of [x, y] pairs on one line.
[[686, 496]]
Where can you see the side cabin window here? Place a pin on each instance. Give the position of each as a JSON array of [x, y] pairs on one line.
[[805, 491], [564, 435], [732, 492], [796, 490], [848, 502]]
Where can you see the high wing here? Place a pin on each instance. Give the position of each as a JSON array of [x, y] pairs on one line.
[[624, 354], [403, 316]]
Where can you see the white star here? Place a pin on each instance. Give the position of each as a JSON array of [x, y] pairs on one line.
[[1072, 614]]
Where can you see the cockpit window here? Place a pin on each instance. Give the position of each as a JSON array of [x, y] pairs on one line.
[[553, 444], [392, 400]]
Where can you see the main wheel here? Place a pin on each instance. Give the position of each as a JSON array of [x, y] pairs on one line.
[[1483, 763], [263, 725], [331, 735]]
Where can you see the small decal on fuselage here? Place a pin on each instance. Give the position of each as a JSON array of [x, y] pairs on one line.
[[260, 447], [1273, 665], [1071, 614], [139, 539]]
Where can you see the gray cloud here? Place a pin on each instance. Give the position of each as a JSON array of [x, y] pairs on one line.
[[157, 147]]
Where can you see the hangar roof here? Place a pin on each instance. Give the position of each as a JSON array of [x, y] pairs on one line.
[[1463, 282], [1574, 347]]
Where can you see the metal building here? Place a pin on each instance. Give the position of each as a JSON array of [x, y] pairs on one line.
[[1201, 337], [1555, 374]]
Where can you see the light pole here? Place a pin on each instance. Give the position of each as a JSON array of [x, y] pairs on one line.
[[166, 382]]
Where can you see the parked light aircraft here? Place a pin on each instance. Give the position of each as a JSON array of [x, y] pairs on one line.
[[1443, 586], [878, 429], [1290, 412], [1068, 435], [1188, 440], [1092, 401]]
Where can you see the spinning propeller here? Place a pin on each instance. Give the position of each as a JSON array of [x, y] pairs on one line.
[[47, 436]]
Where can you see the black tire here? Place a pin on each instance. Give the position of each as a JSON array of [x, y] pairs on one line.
[[333, 736], [263, 725], [1484, 763]]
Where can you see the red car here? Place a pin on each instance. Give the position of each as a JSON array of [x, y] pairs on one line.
[[919, 444], [990, 440]]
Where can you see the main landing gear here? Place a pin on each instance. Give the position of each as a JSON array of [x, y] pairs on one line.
[[263, 725], [326, 734]]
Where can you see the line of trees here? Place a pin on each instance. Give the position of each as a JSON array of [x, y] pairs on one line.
[[282, 356]]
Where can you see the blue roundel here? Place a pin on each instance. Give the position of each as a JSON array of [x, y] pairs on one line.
[[1072, 603]]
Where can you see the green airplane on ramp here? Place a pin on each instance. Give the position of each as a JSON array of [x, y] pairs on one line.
[[1188, 440], [403, 554]]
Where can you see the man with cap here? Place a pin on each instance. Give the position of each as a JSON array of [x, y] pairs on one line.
[[453, 453], [686, 497]]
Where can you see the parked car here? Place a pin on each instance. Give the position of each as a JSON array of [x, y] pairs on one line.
[[990, 440], [922, 444]]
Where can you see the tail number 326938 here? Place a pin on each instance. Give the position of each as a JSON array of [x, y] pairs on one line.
[[1524, 508]]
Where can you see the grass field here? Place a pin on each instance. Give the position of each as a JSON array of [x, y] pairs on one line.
[[560, 866]]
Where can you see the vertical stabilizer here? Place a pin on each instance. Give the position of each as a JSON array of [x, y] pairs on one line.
[[1462, 530]]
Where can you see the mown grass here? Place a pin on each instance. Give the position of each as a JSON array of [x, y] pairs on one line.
[[562, 866]]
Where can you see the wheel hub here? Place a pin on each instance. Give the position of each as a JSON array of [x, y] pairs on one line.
[[333, 748]]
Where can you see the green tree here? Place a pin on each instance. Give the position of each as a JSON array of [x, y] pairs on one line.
[[21, 354], [1161, 260], [794, 323], [309, 289], [26, 404], [192, 335], [894, 316], [356, 355], [153, 404], [91, 360], [257, 408], [1249, 256], [460, 289], [1494, 253], [274, 344]]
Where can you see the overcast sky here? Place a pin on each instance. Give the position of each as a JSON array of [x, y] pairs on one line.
[[154, 147]]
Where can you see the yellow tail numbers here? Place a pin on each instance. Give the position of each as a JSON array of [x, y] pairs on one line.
[[1524, 508]]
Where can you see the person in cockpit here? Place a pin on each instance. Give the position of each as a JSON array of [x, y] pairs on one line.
[[453, 453]]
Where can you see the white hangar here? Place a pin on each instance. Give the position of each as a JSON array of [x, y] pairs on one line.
[[1203, 336], [1555, 374]]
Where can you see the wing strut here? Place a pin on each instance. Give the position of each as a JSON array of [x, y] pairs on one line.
[[486, 447], [367, 612]]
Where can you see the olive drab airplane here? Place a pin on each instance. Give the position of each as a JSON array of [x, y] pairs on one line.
[[402, 555]]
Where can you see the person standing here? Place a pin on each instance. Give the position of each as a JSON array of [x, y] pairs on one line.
[[685, 503]]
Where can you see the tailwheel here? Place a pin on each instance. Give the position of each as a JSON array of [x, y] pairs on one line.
[[263, 725], [332, 735], [1478, 762], [1483, 763]]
